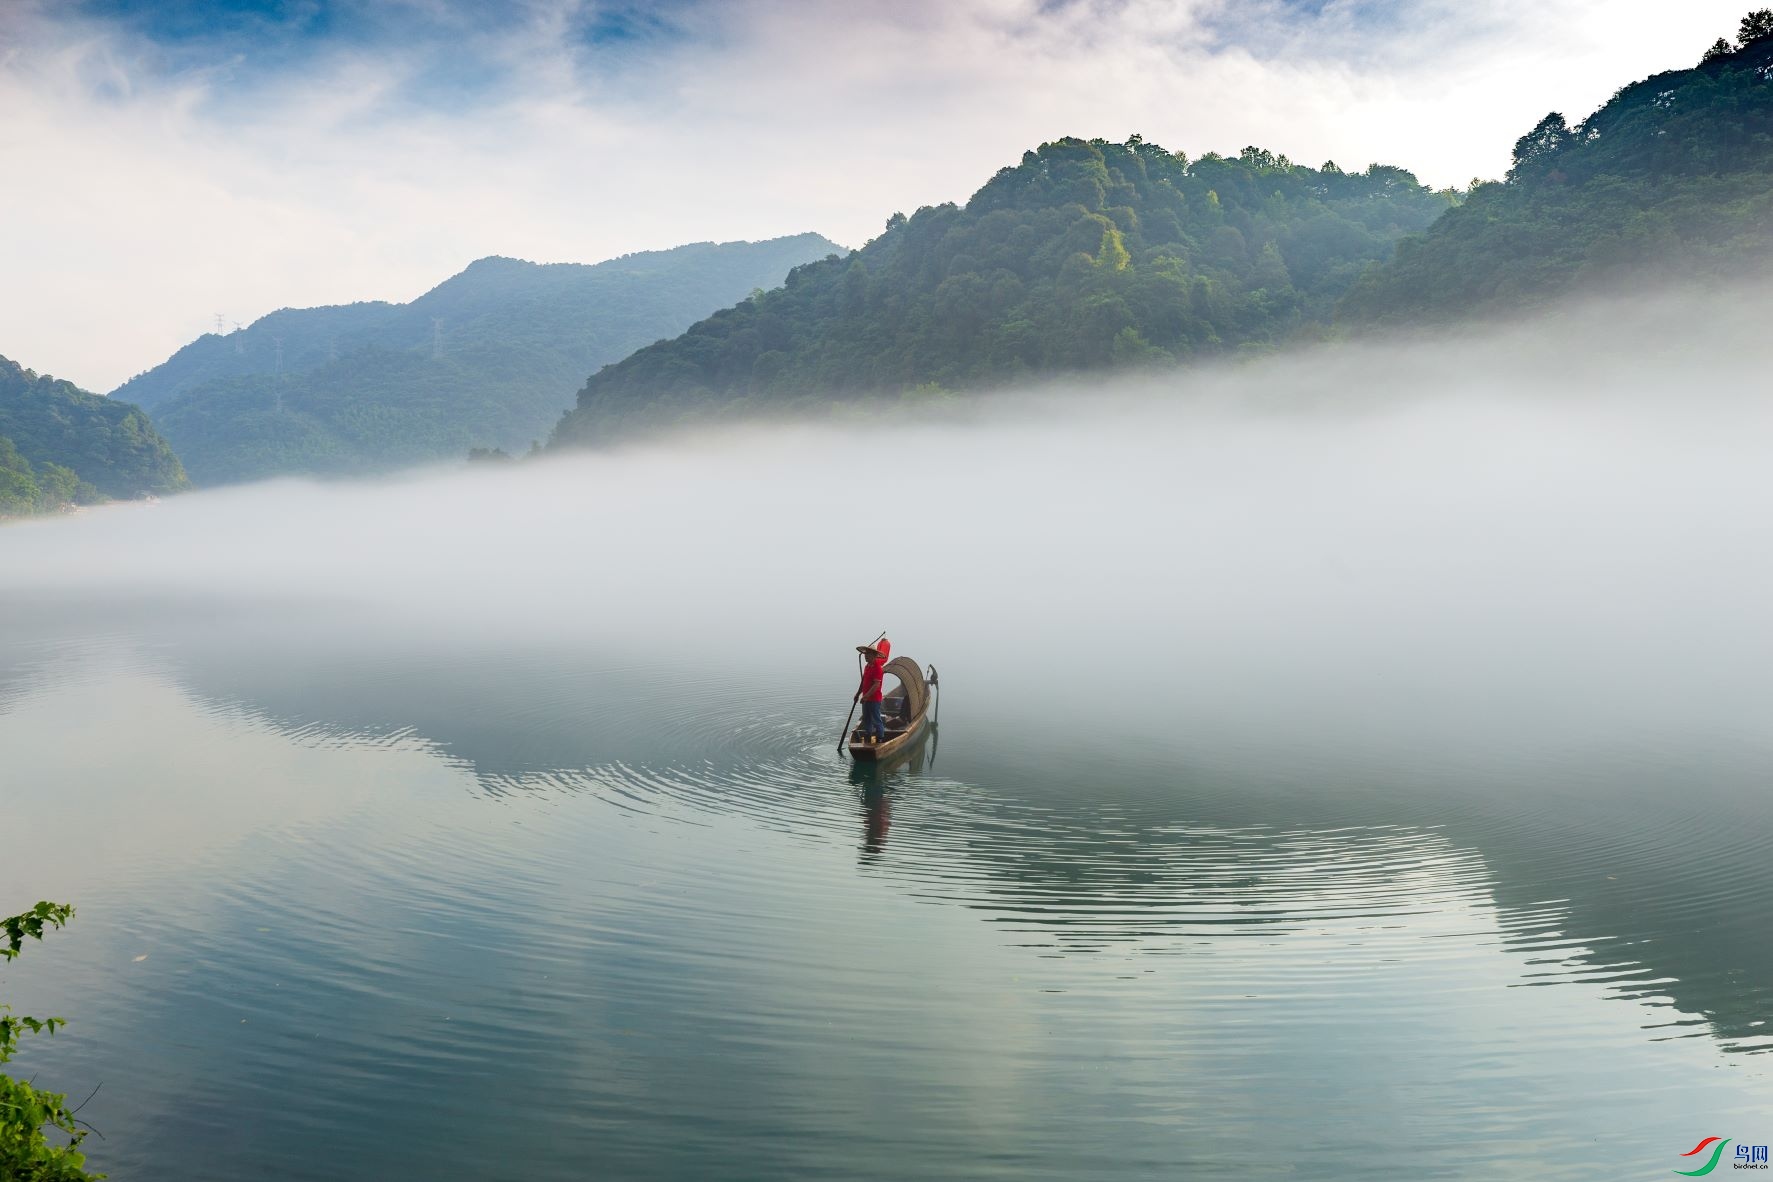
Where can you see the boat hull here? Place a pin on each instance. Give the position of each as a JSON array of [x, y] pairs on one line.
[[864, 752], [905, 709]]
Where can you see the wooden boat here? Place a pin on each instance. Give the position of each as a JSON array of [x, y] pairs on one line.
[[905, 709]]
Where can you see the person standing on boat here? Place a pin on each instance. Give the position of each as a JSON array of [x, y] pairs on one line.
[[873, 677]]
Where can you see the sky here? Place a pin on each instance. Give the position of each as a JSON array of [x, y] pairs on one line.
[[172, 161]]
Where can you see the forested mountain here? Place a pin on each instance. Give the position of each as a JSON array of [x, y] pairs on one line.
[[1085, 255], [1675, 173], [489, 358], [60, 445], [1092, 255]]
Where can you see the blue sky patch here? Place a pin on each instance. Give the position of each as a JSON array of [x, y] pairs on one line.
[[451, 46]]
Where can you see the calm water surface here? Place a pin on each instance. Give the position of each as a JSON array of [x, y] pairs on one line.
[[1401, 810], [356, 913]]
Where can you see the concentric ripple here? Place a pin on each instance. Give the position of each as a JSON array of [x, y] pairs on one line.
[[651, 921]]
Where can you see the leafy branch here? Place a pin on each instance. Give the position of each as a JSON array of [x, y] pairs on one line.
[[26, 1153], [31, 924]]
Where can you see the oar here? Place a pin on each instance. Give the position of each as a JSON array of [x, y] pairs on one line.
[[844, 734], [846, 722]]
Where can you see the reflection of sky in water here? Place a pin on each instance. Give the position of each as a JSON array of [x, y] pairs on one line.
[[692, 968]]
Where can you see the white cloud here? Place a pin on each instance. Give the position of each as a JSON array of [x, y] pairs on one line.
[[145, 198]]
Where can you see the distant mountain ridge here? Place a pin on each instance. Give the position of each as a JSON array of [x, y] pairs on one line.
[[488, 358], [62, 445]]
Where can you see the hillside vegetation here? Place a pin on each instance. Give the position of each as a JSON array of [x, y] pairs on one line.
[[1085, 256], [1091, 256], [60, 445], [26, 488], [1673, 175], [489, 358]]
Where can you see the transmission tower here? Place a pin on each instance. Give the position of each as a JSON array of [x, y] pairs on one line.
[[218, 324], [436, 338]]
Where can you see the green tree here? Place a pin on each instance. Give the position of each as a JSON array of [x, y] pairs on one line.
[[108, 444], [1539, 147], [27, 1154], [19, 493], [1755, 25]]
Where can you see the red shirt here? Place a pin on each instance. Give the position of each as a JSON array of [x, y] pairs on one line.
[[872, 677]]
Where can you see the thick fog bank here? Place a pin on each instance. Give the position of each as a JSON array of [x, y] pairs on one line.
[[1567, 519]]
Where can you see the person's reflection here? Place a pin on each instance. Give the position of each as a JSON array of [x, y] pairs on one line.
[[877, 807], [877, 815], [877, 804]]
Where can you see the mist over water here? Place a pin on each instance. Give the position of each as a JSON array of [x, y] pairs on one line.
[[1409, 525], [1296, 715]]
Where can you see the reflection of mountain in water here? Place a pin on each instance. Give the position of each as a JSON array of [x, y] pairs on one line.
[[1650, 876], [20, 673], [41, 653], [1638, 871]]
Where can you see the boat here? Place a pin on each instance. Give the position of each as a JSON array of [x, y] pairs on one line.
[[905, 709]]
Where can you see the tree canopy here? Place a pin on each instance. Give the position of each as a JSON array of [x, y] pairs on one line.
[[26, 489], [1086, 255], [1675, 173], [60, 445]]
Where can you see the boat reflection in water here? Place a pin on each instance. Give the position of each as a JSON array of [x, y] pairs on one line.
[[877, 781]]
